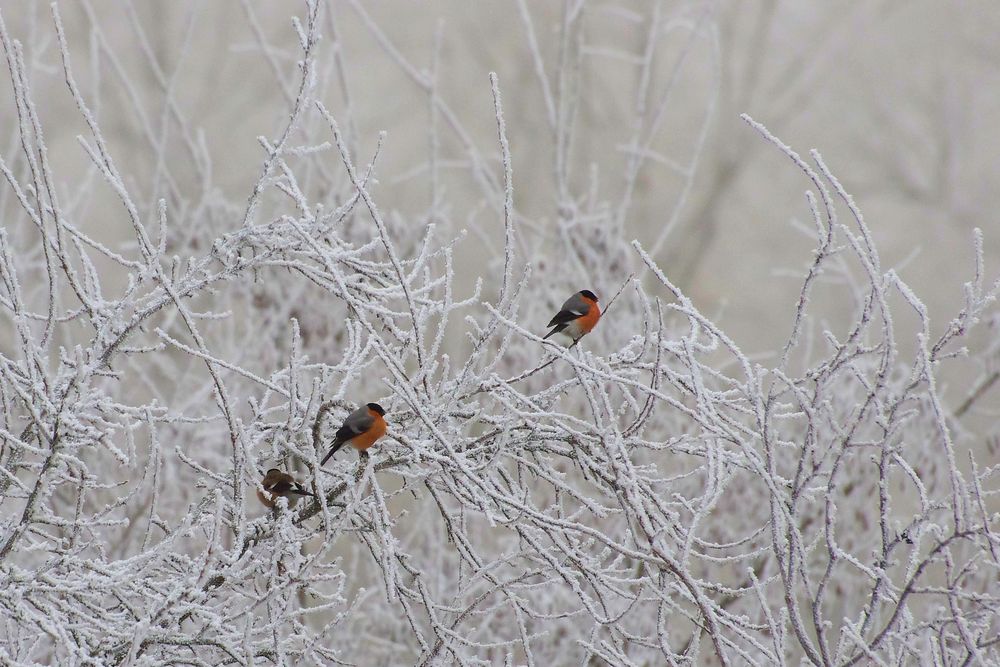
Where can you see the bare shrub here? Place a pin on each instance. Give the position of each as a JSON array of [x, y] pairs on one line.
[[652, 495]]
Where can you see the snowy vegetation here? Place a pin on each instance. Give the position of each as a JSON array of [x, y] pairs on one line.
[[650, 496]]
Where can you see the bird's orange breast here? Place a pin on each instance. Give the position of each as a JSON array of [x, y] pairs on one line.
[[589, 321], [365, 440]]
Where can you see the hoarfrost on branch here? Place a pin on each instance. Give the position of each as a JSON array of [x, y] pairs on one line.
[[652, 495]]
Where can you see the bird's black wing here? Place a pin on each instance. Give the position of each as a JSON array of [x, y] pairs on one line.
[[564, 317], [575, 307], [280, 487], [348, 431]]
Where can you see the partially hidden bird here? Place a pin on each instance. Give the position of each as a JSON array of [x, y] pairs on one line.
[[577, 317], [277, 484], [361, 429]]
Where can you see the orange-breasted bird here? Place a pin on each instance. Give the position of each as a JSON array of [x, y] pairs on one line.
[[279, 484], [360, 430], [577, 317]]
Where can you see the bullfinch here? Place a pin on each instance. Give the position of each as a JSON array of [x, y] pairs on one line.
[[360, 430], [577, 317], [279, 484]]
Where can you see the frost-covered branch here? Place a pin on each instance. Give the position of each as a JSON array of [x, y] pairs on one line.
[[651, 495]]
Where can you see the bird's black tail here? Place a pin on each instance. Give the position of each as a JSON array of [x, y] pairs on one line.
[[555, 330], [333, 450]]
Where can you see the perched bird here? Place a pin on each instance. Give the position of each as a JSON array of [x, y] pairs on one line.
[[577, 317], [361, 429], [277, 483]]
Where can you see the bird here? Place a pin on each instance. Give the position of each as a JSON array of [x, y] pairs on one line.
[[361, 429], [279, 484], [577, 317]]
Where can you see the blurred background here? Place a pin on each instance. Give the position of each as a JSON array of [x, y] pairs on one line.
[[901, 98]]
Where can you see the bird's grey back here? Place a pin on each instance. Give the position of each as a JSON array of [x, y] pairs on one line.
[[576, 304], [359, 420]]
